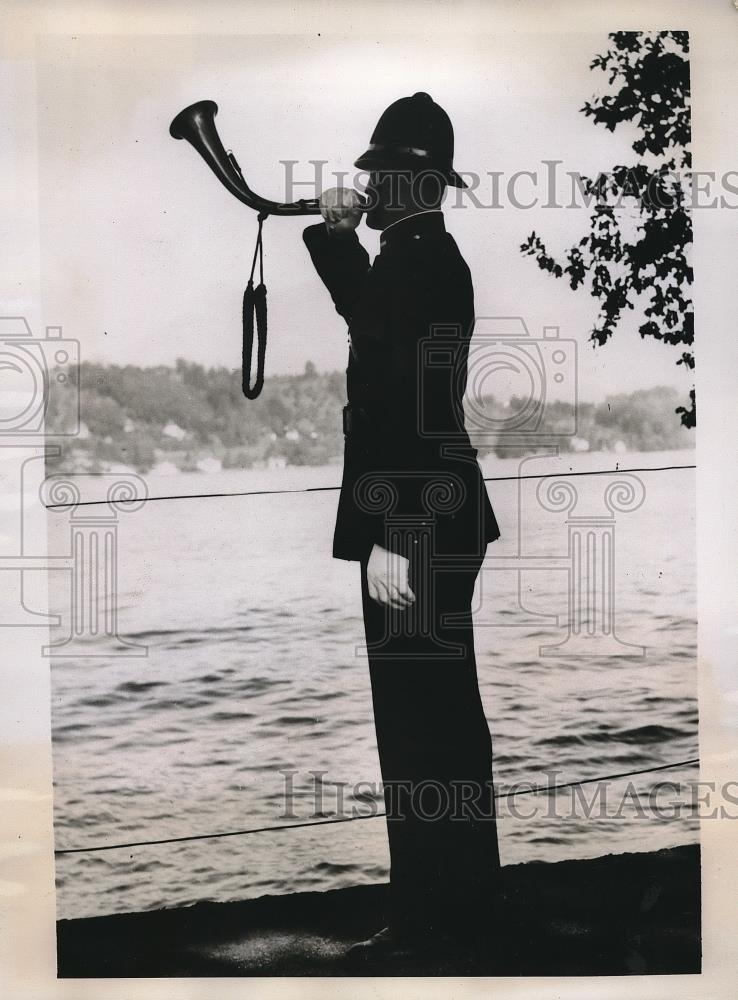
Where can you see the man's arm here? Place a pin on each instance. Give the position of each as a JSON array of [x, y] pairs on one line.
[[338, 256]]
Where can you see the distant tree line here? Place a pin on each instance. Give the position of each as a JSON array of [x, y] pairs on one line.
[[187, 414]]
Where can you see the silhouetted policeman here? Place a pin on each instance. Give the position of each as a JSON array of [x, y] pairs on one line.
[[414, 511]]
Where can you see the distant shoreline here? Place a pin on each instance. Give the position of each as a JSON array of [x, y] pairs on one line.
[[187, 418]]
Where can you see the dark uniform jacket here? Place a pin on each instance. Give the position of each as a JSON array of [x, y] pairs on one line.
[[407, 458]]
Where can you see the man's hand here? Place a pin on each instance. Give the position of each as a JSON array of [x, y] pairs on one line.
[[340, 209], [387, 575]]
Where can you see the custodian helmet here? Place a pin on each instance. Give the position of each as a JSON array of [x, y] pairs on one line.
[[413, 133]]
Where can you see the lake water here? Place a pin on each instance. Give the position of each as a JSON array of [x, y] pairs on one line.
[[254, 672]]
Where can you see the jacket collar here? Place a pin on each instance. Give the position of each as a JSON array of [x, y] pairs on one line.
[[414, 227]]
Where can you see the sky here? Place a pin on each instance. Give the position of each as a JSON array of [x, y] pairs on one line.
[[145, 255]]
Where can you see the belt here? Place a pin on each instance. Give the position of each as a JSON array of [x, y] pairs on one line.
[[357, 426]]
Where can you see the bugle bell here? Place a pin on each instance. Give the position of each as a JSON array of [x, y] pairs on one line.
[[196, 124]]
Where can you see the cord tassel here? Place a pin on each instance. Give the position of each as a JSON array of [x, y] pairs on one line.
[[254, 305]]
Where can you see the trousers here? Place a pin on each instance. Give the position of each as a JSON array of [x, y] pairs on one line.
[[435, 750]]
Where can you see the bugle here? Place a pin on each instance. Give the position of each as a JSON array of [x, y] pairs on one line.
[[196, 124]]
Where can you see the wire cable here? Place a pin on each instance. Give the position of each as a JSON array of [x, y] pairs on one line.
[[349, 819], [329, 489], [533, 790]]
